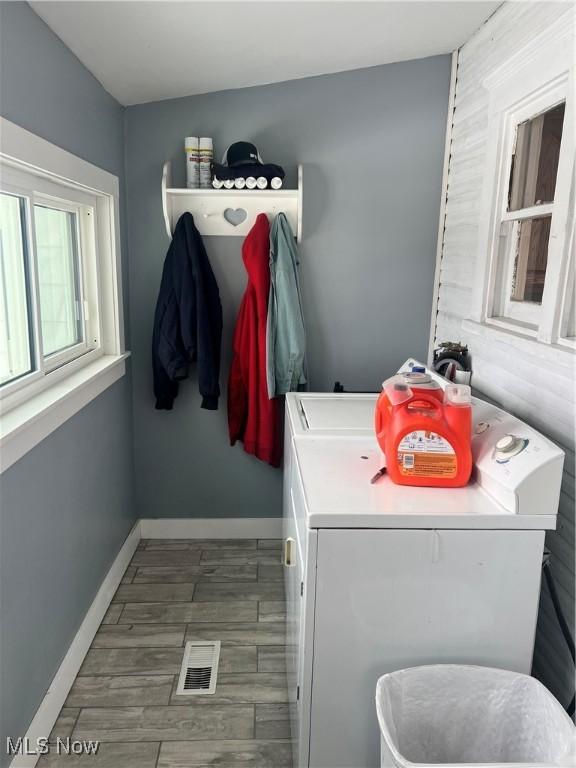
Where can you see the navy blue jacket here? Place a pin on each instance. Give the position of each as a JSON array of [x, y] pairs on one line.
[[188, 320]]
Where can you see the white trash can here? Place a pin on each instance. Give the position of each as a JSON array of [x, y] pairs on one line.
[[453, 715]]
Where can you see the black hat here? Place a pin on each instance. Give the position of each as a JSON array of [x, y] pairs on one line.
[[241, 153], [243, 159]]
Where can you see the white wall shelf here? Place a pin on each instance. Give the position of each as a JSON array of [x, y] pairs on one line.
[[208, 206]]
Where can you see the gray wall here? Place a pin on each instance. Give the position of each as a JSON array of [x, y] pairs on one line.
[[371, 142], [66, 507]]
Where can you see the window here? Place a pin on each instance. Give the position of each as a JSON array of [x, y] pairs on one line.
[[50, 303], [59, 282], [526, 222], [534, 169], [526, 261], [61, 334]]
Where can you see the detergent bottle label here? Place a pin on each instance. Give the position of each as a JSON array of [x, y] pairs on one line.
[[426, 454]]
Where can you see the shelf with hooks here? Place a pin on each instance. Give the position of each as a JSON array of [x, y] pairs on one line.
[[241, 206]]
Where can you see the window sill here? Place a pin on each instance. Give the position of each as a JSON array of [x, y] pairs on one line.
[[29, 423], [524, 342]]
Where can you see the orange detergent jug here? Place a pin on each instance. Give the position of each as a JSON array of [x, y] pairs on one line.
[[425, 433], [419, 382]]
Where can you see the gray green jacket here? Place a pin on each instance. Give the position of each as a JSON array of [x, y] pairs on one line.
[[285, 335]]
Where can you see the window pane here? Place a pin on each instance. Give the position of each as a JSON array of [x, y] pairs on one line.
[[58, 282], [531, 258], [535, 162], [15, 348]]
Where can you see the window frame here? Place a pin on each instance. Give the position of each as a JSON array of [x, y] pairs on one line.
[[49, 362], [537, 78], [34, 191], [525, 312], [30, 294], [569, 295], [35, 404]]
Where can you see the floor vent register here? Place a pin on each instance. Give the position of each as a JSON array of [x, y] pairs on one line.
[[199, 668]]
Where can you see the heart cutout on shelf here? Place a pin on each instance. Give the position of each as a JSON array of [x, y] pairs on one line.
[[235, 216]]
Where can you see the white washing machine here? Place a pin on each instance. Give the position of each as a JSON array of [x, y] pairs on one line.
[[313, 415], [321, 414], [382, 577]]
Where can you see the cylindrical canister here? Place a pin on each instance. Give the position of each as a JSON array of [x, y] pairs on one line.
[[217, 184], [276, 182], [229, 183], [191, 147], [240, 182], [261, 182], [251, 182], [206, 154]]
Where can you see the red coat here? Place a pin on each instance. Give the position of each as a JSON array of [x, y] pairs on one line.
[[252, 416]]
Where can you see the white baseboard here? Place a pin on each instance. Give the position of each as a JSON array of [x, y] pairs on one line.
[[49, 709], [211, 528]]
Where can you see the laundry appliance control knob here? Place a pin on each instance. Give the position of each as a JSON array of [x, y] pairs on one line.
[[507, 444]]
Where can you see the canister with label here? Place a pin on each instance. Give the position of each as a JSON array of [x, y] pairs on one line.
[[206, 155], [191, 147]]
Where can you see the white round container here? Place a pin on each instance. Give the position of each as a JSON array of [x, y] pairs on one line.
[[261, 182], [217, 184], [206, 155], [229, 183], [251, 182], [276, 182], [191, 147], [240, 182]]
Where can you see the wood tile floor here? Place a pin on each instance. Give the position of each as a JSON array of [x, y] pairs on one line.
[[124, 695]]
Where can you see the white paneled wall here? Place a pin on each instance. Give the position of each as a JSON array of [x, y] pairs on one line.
[[506, 370]]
